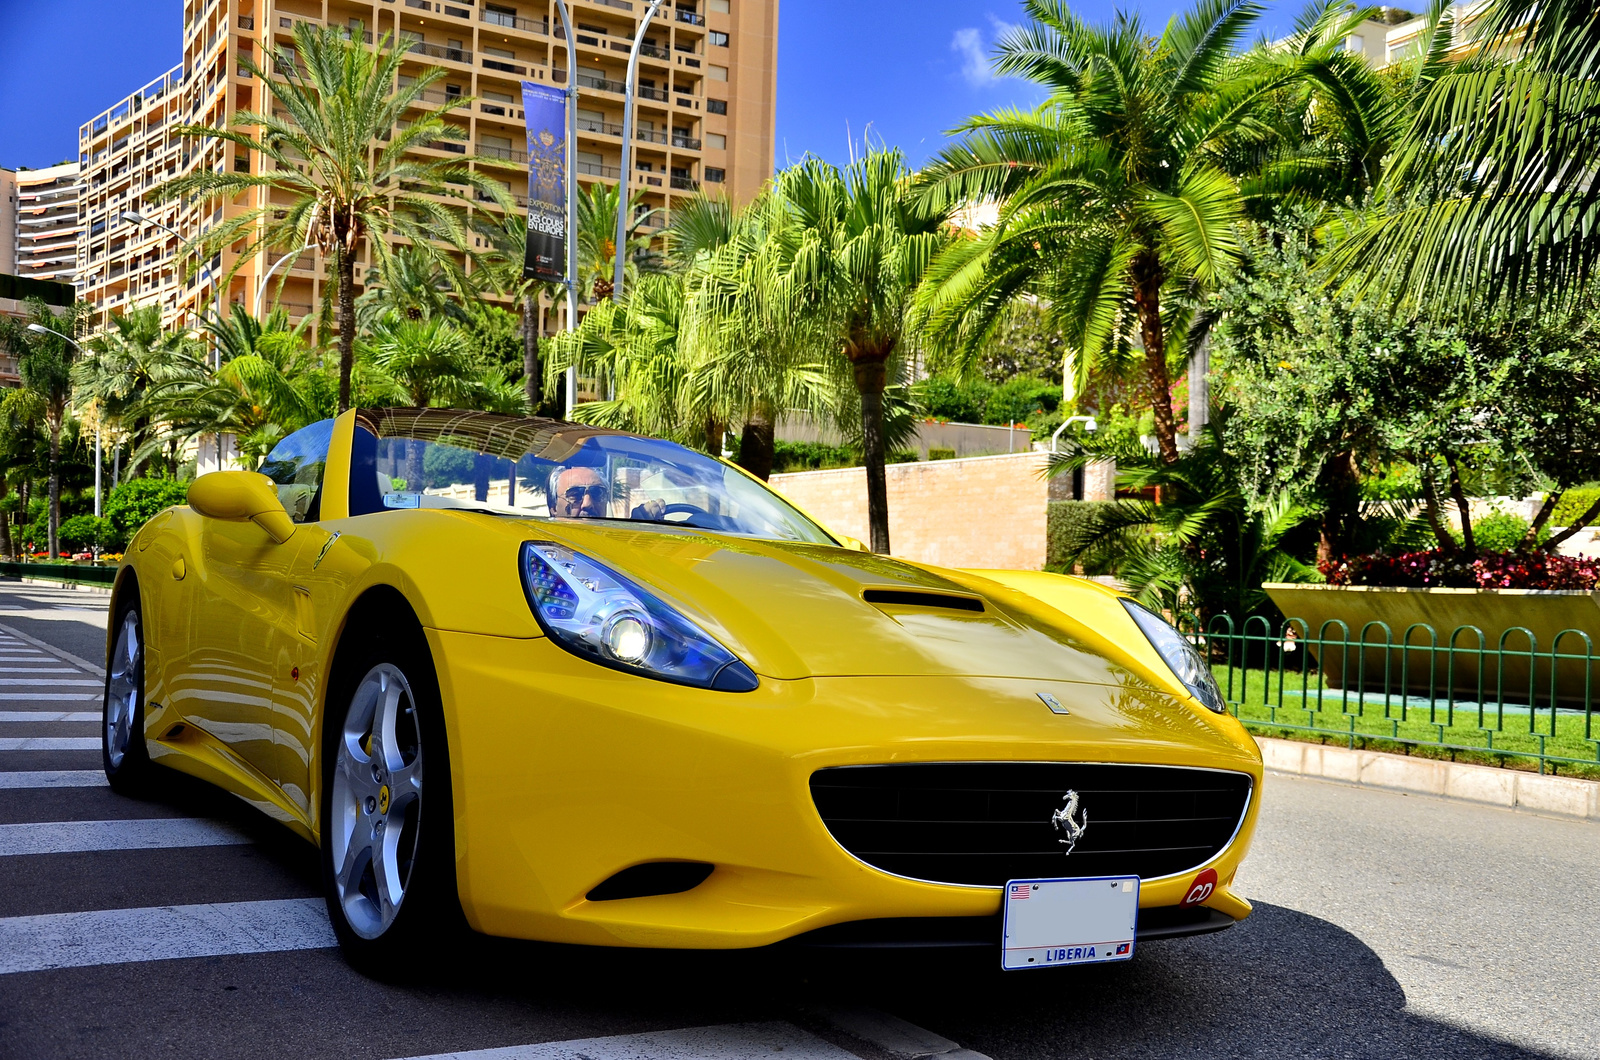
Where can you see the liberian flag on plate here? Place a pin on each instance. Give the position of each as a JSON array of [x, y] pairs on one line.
[[1019, 891]]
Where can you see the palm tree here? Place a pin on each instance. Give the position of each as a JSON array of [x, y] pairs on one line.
[[507, 236], [1493, 195], [411, 281], [429, 360], [597, 239], [122, 364], [340, 165], [44, 361], [1113, 197], [267, 390], [859, 250]]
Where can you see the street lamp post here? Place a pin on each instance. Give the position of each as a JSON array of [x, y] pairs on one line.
[[262, 290], [627, 147], [571, 149], [140, 219]]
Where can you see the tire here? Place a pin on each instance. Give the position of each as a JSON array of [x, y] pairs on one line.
[[388, 830], [123, 751]]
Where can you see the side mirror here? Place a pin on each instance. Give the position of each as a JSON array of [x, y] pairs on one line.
[[240, 497], [845, 541]]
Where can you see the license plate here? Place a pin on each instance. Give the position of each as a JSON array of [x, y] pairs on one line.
[[1050, 923]]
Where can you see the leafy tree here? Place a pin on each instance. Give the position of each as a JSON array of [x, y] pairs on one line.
[[124, 362], [44, 361], [22, 444], [430, 360], [341, 170]]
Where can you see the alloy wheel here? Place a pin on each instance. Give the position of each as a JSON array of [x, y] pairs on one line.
[[122, 690], [376, 800]]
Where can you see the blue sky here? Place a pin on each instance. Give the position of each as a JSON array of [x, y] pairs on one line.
[[900, 70]]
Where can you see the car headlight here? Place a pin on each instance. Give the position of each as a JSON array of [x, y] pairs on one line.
[[1186, 662], [599, 615]]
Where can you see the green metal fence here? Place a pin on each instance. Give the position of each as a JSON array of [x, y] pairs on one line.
[[1483, 698]]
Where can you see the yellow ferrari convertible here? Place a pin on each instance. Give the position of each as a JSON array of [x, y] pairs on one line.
[[584, 686]]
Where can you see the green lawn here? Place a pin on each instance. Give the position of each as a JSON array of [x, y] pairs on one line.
[[1508, 735]]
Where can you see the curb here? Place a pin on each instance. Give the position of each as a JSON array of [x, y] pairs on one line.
[[61, 583], [1508, 788]]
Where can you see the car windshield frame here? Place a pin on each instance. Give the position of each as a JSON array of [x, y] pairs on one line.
[[444, 458]]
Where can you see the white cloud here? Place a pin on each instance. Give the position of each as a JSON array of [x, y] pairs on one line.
[[973, 46], [975, 66]]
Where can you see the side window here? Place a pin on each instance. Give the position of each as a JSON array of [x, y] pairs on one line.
[[297, 464]]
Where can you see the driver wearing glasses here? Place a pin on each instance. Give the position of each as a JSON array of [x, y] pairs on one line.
[[581, 493]]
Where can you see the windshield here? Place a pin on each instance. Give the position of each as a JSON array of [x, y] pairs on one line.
[[546, 469]]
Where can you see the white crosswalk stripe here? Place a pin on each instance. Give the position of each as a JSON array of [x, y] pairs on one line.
[[733, 1041], [35, 670], [48, 697], [54, 778], [161, 933], [49, 743], [48, 715], [50, 682], [71, 837]]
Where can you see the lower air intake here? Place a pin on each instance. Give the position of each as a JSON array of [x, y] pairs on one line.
[[983, 823]]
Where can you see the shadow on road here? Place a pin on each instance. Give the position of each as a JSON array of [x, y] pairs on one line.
[[1282, 984]]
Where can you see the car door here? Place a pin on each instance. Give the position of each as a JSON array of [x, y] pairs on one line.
[[242, 602]]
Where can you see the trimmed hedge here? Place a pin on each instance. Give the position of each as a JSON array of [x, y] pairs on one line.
[[1066, 521], [1574, 503], [61, 572]]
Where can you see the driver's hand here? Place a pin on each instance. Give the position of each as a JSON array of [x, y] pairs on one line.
[[652, 509]]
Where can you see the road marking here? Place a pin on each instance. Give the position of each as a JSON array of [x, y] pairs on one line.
[[733, 1041], [51, 649], [53, 682], [54, 778], [48, 697], [72, 837], [49, 743], [48, 715], [162, 933], [35, 669]]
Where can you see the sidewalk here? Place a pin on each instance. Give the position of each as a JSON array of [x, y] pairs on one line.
[[1510, 788]]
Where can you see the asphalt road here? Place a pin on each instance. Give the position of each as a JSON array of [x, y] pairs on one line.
[[1386, 926]]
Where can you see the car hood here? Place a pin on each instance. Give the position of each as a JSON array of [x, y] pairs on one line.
[[796, 610]]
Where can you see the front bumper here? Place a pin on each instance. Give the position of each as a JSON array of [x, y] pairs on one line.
[[565, 773]]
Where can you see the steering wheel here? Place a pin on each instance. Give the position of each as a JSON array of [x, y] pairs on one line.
[[688, 511]]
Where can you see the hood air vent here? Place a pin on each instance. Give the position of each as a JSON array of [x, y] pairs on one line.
[[918, 598]]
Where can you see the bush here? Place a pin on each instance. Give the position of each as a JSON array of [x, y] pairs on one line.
[[80, 533], [1492, 570], [1066, 524], [939, 452], [1498, 532], [811, 456], [1573, 504], [136, 501]]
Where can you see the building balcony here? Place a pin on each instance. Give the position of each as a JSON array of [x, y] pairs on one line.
[[597, 169], [690, 142], [603, 128], [540, 26], [513, 155], [620, 5], [685, 184], [503, 66], [439, 51], [689, 17]]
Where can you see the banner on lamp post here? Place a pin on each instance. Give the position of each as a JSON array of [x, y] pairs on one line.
[[545, 110]]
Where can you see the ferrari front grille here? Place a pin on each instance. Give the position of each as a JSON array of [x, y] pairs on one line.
[[983, 823]]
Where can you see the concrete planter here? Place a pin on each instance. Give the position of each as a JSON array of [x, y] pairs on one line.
[[1528, 620]]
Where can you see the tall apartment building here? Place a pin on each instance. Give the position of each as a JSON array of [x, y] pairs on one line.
[[705, 118], [41, 231]]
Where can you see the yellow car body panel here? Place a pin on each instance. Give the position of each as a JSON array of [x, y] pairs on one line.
[[565, 772]]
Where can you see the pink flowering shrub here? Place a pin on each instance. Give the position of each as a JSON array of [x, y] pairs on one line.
[[1489, 570]]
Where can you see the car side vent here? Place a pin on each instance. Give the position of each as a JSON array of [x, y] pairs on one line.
[[915, 598], [652, 878]]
